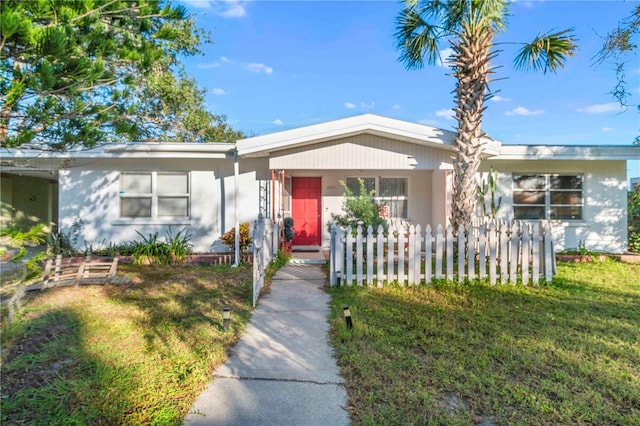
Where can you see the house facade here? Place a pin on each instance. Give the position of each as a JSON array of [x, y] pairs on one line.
[[113, 193]]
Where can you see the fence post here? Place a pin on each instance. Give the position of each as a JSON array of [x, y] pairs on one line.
[[471, 255]]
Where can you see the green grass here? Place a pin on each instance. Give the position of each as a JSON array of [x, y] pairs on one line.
[[126, 354], [566, 353]]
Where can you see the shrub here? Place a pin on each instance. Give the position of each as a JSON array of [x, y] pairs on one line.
[[229, 238], [153, 250], [289, 232], [359, 210], [634, 219]]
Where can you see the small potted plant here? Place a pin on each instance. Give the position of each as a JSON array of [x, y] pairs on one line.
[[288, 234]]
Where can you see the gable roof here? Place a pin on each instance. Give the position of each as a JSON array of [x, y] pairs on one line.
[[392, 128]]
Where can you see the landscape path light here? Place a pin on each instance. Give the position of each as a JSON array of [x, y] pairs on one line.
[[347, 317], [226, 318]]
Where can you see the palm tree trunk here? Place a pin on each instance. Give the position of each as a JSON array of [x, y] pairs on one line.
[[472, 68]]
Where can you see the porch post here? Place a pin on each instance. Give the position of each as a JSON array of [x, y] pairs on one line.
[[236, 173]]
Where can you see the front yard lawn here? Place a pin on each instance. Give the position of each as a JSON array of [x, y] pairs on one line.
[[566, 353], [121, 354]]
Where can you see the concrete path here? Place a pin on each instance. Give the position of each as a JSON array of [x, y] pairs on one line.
[[282, 371]]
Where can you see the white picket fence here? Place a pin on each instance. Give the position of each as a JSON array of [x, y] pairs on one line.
[[505, 252], [265, 247]]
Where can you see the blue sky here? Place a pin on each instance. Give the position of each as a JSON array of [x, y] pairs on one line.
[[276, 65]]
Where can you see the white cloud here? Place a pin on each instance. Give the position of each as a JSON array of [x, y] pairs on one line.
[[601, 108], [199, 4], [524, 111], [225, 8], [365, 105], [429, 122], [255, 67], [277, 122], [233, 9], [500, 99], [446, 113], [396, 107], [607, 129], [218, 91], [209, 65], [444, 55], [227, 60]]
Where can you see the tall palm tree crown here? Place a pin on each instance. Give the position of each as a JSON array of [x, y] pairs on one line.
[[469, 26]]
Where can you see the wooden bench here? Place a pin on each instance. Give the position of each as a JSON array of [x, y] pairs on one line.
[[86, 271]]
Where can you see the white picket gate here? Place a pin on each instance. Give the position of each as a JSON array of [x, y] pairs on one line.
[[265, 247], [505, 252]]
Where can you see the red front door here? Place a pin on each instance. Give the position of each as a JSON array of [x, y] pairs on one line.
[[305, 210]]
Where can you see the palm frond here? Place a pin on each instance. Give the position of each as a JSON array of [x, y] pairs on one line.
[[547, 52], [416, 39]]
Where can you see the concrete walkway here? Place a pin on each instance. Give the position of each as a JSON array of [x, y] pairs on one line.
[[282, 371]]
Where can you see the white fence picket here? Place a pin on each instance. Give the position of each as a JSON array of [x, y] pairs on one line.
[[461, 249], [535, 262], [515, 252], [439, 247], [401, 249], [380, 254], [471, 246], [359, 255], [411, 272], [526, 251], [349, 256], [514, 242], [370, 255], [391, 267], [428, 249], [417, 255], [449, 253]]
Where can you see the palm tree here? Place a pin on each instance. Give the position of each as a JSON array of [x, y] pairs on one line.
[[469, 26]]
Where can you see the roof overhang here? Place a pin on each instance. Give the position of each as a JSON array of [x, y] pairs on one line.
[[261, 146], [567, 152], [136, 150]]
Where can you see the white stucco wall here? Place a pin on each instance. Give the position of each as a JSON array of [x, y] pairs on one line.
[[604, 224], [91, 193]]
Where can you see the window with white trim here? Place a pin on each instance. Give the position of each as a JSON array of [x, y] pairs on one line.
[[391, 193], [548, 196], [154, 195]]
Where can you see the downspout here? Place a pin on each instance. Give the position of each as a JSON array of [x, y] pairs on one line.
[[236, 173]]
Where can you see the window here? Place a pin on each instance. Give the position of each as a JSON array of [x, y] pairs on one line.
[[556, 197], [391, 193], [154, 195]]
